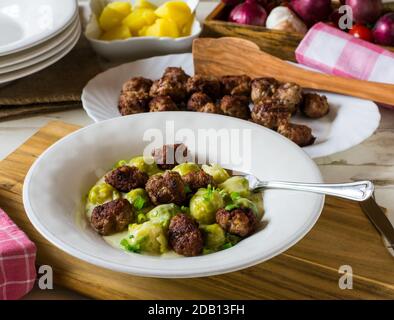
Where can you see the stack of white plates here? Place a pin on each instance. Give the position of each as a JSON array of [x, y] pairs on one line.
[[35, 34]]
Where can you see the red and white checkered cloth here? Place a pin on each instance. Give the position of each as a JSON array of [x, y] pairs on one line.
[[333, 51], [17, 260]]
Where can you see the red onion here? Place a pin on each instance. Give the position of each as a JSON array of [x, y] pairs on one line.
[[365, 11], [383, 31], [231, 2], [249, 12], [335, 16], [312, 11]]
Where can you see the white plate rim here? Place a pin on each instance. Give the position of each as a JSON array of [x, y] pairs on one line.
[[39, 66], [46, 46], [63, 45], [15, 48], [58, 242]]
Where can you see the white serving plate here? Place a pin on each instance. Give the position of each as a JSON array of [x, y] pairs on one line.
[[56, 183], [41, 49], [14, 75], [26, 23], [137, 47], [74, 33], [349, 122]]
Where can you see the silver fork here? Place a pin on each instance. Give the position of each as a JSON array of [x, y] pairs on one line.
[[357, 191]]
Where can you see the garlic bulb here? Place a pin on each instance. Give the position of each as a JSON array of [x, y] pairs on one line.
[[282, 18]]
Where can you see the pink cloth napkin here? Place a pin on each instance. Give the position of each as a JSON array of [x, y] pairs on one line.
[[17, 260], [333, 51]]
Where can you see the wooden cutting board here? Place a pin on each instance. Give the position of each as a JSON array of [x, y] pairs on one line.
[[342, 236]]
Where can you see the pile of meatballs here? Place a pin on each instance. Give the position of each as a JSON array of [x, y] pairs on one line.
[[274, 102], [184, 234]]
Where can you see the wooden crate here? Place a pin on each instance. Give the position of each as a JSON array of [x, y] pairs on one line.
[[278, 43]]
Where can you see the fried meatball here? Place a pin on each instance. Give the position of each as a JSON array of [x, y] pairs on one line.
[[125, 178], [197, 101], [112, 217], [236, 85], [241, 222], [211, 108], [169, 86], [139, 85], [130, 103], [176, 73], [201, 102], [262, 88], [208, 84], [315, 106], [184, 236], [236, 106], [198, 179], [299, 134], [170, 155], [270, 114], [290, 95], [166, 188], [162, 103]]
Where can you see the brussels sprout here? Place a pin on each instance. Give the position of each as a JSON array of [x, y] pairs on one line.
[[138, 198], [185, 210], [206, 251], [217, 172], [145, 164], [162, 214], [236, 184], [101, 193], [204, 204], [120, 163], [141, 218], [185, 168], [147, 237], [257, 199], [246, 203], [214, 237], [231, 241]]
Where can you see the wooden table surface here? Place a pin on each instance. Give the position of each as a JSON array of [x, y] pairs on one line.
[[372, 160]]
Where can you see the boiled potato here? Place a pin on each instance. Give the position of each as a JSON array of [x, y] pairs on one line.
[[177, 11], [142, 31], [113, 14], [117, 33], [138, 19], [163, 28], [187, 29], [145, 4]]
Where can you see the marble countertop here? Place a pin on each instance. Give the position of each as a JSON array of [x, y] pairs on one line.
[[371, 160]]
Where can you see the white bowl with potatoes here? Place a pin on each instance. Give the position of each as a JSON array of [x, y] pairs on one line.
[[128, 30]]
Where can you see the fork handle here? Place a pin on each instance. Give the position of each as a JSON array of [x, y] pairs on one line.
[[358, 191]]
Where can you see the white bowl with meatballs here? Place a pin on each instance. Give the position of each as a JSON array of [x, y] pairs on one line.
[[322, 123], [95, 195]]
